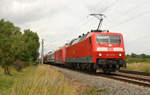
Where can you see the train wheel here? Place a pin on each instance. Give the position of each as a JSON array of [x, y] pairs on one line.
[[94, 70], [83, 67], [74, 66], [78, 66], [91, 68]]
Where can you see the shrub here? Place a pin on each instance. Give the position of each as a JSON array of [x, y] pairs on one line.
[[19, 65]]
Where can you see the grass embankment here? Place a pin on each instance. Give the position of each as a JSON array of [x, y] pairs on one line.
[[138, 64], [7, 81], [141, 67], [43, 80]]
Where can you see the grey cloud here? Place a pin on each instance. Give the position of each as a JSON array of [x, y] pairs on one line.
[[27, 11]]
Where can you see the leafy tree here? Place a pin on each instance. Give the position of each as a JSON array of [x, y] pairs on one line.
[[133, 55], [143, 55], [32, 43], [15, 45], [7, 50]]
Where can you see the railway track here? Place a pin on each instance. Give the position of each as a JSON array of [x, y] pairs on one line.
[[129, 79], [135, 72], [124, 77], [140, 81], [133, 77]]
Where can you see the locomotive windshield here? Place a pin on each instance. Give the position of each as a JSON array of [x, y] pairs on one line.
[[113, 39]]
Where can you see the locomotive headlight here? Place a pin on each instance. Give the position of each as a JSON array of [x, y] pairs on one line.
[[100, 54], [120, 54]]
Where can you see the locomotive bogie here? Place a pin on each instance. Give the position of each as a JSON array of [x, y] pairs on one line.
[[110, 65]]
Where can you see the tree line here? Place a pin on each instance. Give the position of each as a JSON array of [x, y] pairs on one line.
[[136, 58], [134, 55], [16, 45]]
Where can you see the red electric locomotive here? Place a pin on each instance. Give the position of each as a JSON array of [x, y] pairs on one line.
[[97, 50]]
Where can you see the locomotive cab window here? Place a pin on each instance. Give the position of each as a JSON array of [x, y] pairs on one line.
[[113, 39]]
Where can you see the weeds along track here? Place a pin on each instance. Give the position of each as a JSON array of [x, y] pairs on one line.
[[136, 79]]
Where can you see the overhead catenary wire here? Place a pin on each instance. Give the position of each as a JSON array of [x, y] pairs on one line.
[[136, 7], [135, 15], [105, 9], [131, 18]]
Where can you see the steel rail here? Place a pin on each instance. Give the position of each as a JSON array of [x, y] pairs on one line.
[[135, 72], [128, 81], [133, 77]]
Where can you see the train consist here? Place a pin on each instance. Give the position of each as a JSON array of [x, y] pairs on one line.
[[95, 50]]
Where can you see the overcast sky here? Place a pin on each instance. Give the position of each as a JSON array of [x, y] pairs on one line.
[[59, 21]]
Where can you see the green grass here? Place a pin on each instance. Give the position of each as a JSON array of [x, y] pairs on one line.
[[7, 81], [141, 66], [5, 84], [42, 80], [138, 63]]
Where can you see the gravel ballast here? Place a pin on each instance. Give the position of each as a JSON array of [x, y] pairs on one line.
[[113, 87]]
